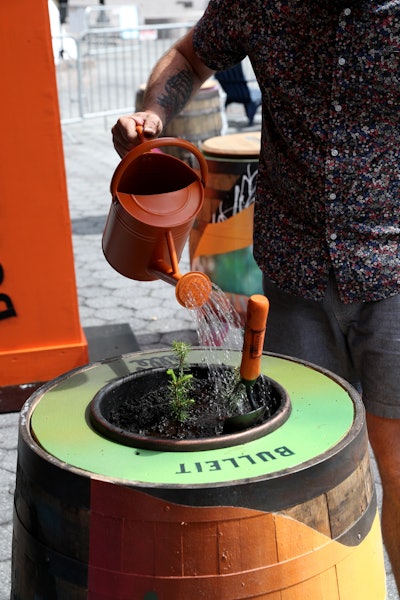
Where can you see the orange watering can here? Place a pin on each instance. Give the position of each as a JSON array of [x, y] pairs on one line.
[[155, 199]]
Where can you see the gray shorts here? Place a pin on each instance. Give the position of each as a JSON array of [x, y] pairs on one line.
[[358, 341]]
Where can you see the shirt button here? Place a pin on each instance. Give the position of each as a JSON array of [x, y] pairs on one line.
[[333, 236], [334, 152], [342, 61], [332, 196], [338, 108], [347, 11]]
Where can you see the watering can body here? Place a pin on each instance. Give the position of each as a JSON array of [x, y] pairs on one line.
[[155, 200]]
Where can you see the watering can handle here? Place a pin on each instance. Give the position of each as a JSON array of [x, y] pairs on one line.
[[147, 145], [139, 131]]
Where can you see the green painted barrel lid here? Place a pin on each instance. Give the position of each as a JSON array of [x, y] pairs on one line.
[[323, 412]]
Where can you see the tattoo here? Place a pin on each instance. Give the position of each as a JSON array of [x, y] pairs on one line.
[[178, 90]]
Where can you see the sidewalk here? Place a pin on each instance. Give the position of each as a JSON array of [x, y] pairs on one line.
[[147, 309]]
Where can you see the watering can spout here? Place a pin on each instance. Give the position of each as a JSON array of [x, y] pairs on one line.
[[155, 200], [193, 289]]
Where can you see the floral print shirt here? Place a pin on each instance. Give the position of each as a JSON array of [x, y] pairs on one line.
[[329, 178]]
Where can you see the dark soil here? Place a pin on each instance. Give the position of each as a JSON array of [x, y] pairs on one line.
[[148, 412]]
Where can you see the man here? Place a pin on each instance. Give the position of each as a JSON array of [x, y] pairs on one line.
[[326, 229]]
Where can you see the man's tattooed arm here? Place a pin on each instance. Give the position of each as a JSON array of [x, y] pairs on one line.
[[178, 90]]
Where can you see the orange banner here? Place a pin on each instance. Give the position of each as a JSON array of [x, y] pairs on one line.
[[226, 236]]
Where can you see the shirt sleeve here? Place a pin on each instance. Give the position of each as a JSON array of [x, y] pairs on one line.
[[218, 36]]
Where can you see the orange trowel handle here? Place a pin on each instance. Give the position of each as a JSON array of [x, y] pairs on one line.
[[254, 333]]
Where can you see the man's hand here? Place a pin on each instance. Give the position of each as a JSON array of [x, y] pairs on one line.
[[125, 134]]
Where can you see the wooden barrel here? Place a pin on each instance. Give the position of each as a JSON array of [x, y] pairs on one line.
[[200, 119], [290, 515], [221, 241]]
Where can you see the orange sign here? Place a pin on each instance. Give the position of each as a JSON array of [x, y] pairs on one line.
[[40, 332]]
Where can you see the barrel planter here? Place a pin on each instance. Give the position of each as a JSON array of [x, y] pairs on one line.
[[221, 241], [290, 515]]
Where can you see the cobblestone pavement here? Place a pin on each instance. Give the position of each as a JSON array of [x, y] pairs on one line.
[[105, 297]]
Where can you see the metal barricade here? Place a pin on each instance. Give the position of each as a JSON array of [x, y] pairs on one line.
[[100, 71]]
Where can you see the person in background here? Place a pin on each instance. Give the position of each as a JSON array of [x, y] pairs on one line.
[[326, 225]]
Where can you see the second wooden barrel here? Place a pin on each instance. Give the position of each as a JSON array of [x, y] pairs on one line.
[[200, 119], [221, 241]]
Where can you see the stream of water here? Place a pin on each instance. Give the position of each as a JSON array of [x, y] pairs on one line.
[[218, 323], [218, 326]]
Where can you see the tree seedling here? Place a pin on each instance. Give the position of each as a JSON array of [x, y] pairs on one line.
[[180, 383]]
